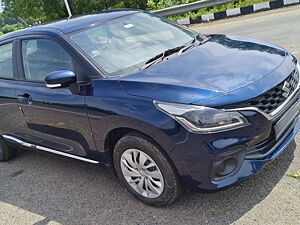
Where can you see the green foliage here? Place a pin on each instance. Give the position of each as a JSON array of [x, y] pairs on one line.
[[5, 19], [161, 4], [32, 11], [48, 10], [29, 10], [295, 175], [9, 28]]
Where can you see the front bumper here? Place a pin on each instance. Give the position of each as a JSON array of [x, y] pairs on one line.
[[253, 166], [195, 158]]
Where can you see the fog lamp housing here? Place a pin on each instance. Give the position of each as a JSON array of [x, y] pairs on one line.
[[227, 163]]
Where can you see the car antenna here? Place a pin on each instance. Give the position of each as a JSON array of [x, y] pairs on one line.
[[23, 21], [68, 9]]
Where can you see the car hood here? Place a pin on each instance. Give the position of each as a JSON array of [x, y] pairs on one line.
[[221, 65]]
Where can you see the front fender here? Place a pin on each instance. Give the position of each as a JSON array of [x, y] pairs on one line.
[[102, 126], [109, 107]]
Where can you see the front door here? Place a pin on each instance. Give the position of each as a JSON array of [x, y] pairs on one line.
[[55, 118]]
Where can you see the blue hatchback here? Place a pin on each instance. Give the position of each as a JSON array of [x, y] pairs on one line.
[[163, 107]]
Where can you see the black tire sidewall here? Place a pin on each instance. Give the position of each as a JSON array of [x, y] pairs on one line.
[[171, 182], [2, 152]]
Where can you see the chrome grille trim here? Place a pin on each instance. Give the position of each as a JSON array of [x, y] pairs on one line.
[[250, 109]]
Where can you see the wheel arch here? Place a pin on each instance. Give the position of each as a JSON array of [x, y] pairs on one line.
[[162, 140]]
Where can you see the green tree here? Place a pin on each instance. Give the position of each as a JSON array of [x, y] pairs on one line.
[[5, 19], [47, 10], [29, 10], [9, 28]]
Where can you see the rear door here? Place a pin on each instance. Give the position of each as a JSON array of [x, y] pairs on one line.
[[55, 118], [10, 115]]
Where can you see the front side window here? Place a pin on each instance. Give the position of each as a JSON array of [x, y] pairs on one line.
[[41, 57], [126, 42], [6, 63]]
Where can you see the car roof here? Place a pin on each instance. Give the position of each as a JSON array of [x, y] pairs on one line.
[[72, 24]]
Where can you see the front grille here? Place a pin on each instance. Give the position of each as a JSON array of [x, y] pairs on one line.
[[272, 99]]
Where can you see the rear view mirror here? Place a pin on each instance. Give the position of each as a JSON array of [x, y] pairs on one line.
[[60, 79]]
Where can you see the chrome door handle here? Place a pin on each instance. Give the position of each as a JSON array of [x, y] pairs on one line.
[[25, 99]]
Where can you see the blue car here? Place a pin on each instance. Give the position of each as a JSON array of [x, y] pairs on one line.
[[164, 108]]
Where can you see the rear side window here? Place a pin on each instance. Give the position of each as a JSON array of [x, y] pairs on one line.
[[6, 64], [41, 57]]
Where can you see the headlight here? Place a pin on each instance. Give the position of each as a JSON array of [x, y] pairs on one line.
[[202, 119]]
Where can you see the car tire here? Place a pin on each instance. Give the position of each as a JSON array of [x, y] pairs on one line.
[[6, 153], [146, 171]]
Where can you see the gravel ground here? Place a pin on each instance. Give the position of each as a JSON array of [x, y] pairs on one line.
[[39, 188]]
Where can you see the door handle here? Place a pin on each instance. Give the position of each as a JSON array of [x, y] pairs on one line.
[[25, 99]]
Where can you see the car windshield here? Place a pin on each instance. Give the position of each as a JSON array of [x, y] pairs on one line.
[[122, 45]]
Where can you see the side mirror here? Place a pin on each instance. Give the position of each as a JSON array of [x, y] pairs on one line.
[[60, 79]]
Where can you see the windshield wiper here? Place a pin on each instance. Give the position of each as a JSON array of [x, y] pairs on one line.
[[181, 49], [194, 43], [160, 57]]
